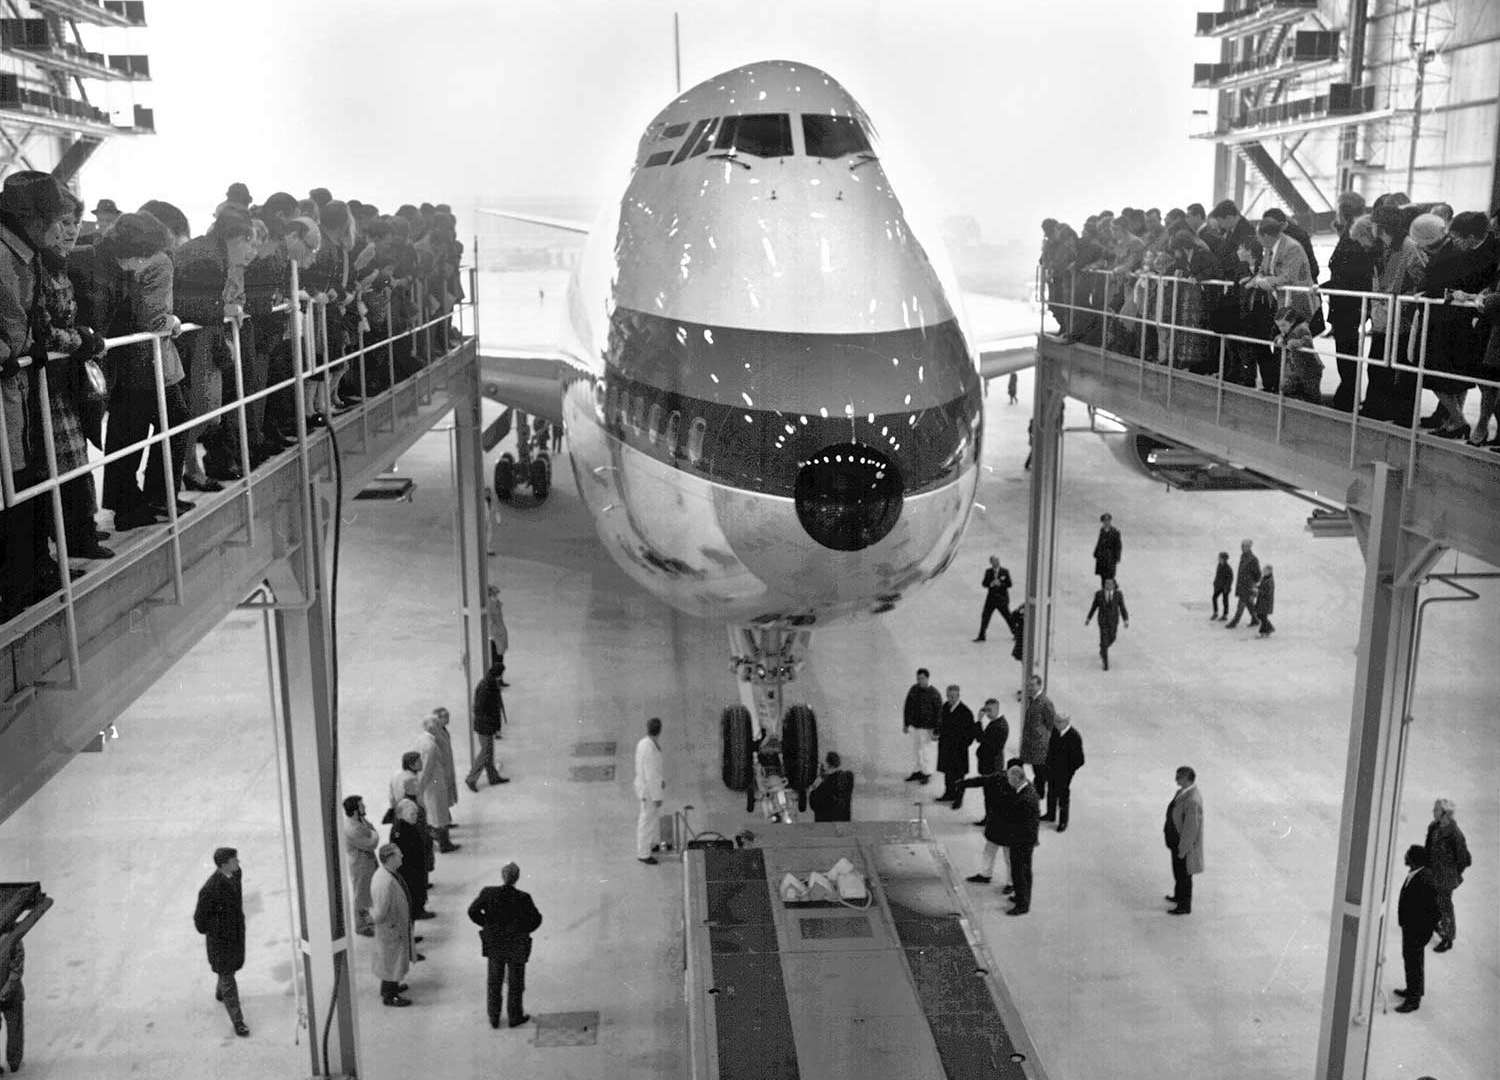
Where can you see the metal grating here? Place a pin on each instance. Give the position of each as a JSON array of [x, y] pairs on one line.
[[602, 748], [825, 928], [566, 1029], [591, 773]]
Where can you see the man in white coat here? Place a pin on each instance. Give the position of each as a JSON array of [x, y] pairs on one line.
[[436, 782], [650, 786], [390, 911]]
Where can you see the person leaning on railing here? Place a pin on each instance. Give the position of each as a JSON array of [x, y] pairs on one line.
[[153, 298], [1193, 261], [1462, 261], [1488, 304], [1390, 393], [1351, 268]]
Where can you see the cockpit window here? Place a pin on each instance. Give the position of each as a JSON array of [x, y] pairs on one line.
[[760, 134], [672, 131], [833, 136]]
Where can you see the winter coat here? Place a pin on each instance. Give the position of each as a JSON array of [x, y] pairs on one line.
[[1000, 810], [1185, 821], [390, 910], [411, 838], [1265, 597], [1350, 267], [1248, 578], [1064, 755], [832, 795], [1447, 854], [489, 708], [19, 275], [1025, 814], [992, 738], [1107, 551], [956, 733], [495, 624], [436, 783], [506, 917], [220, 918], [1036, 732], [1489, 307], [361, 839], [922, 708], [153, 298], [1223, 578]]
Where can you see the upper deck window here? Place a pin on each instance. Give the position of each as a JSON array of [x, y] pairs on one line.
[[833, 136], [760, 134]]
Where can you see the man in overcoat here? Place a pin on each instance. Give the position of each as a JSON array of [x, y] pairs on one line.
[[1184, 835], [1418, 912], [1107, 549], [391, 912], [1025, 814], [220, 918], [999, 823], [1109, 604], [361, 841], [1246, 581], [506, 917], [956, 733], [1064, 758], [410, 837], [489, 716], [1447, 859], [436, 782], [989, 754], [919, 720], [1036, 734]]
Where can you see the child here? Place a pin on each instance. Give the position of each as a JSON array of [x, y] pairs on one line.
[[1223, 582], [1302, 370]]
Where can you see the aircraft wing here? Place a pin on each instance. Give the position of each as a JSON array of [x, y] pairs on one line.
[[1002, 357], [537, 219], [527, 379]]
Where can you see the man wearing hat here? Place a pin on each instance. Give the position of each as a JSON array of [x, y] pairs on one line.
[[506, 918], [220, 918], [106, 214]]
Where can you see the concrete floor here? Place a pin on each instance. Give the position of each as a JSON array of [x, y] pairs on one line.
[[1109, 986]]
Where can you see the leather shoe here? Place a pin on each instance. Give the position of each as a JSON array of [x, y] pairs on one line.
[[1016, 911], [1180, 910], [397, 1001], [1170, 899], [494, 1021], [183, 506], [239, 1029], [981, 823], [450, 847], [425, 915], [978, 879], [1063, 827], [134, 519], [1009, 890], [469, 783], [193, 483], [1442, 946], [520, 1020], [980, 638], [1411, 1004], [95, 550], [1048, 817], [418, 957], [916, 776], [1400, 993], [649, 860], [502, 780]]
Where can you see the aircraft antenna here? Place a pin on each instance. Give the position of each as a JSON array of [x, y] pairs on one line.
[[677, 50]]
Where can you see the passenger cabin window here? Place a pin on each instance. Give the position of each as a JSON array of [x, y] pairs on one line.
[[695, 440], [760, 134], [653, 424], [833, 136], [674, 422]]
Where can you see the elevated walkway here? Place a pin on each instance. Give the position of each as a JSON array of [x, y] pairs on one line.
[[133, 618]]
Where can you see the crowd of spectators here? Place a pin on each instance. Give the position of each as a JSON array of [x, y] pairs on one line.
[[65, 288], [1171, 288]]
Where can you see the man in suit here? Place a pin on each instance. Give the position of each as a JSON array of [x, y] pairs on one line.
[[999, 820], [996, 585], [650, 787], [1418, 912], [832, 792], [1246, 581], [489, 715], [919, 720], [1109, 604], [390, 911], [1036, 734], [1025, 815], [1064, 758], [956, 731], [1265, 602], [1230, 231], [220, 918], [988, 755], [1107, 549], [1184, 835], [506, 918]]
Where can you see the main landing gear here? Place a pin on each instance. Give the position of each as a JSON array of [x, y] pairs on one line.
[[530, 466], [770, 755]]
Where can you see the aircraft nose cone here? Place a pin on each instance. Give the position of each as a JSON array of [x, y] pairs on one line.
[[848, 496]]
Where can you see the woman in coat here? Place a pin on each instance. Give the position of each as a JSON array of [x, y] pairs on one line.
[[436, 783], [408, 834], [361, 840], [392, 917]]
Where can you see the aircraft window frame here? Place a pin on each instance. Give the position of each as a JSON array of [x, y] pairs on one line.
[[728, 137], [672, 131], [705, 141], [674, 432], [653, 423], [692, 140], [697, 432], [844, 125], [661, 157]]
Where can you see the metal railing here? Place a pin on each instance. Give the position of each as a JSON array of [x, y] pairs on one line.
[[1404, 326], [310, 361]]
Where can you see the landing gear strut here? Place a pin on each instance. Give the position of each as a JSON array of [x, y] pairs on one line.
[[769, 754]]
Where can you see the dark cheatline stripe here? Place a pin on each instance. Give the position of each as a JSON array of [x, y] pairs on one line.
[[750, 1007]]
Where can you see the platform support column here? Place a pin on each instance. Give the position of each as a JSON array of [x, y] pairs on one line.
[[469, 525], [1394, 566], [304, 659], [1041, 525]]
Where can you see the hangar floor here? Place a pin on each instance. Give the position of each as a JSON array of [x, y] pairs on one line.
[[1109, 986]]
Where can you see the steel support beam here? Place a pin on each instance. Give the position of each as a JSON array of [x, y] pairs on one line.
[[1041, 526], [469, 531], [305, 677], [1394, 566]]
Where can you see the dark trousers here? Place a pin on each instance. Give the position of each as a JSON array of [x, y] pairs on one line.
[[1265, 625], [992, 604], [1414, 958], [1059, 797], [951, 790], [1020, 874], [13, 1013], [1390, 395], [1182, 883], [1240, 609], [1447, 927], [501, 972], [1039, 780], [1346, 343], [484, 762], [132, 415], [389, 989], [157, 491], [1224, 595], [78, 513], [228, 991]]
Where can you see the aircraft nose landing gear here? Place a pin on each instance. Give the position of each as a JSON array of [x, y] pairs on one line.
[[770, 755], [525, 468]]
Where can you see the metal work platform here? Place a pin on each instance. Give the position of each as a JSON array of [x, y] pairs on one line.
[[901, 987], [132, 622], [1451, 491]]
